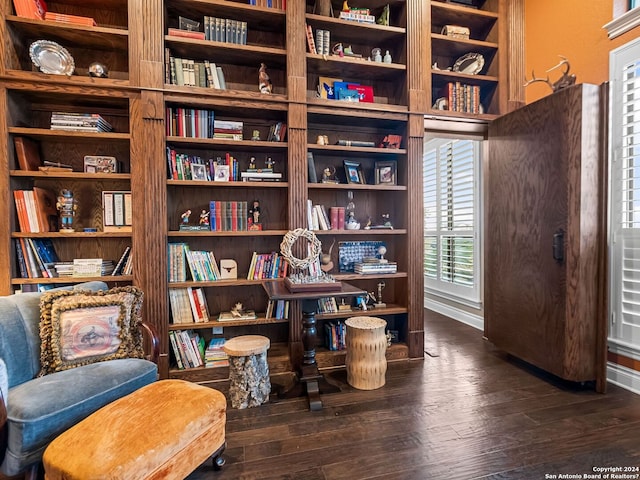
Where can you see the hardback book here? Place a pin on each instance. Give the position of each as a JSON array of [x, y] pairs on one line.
[[65, 18], [28, 153], [311, 166], [46, 211], [355, 143], [311, 44], [34, 9], [176, 32]]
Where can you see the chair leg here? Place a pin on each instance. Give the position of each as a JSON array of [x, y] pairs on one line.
[[218, 459], [33, 472]]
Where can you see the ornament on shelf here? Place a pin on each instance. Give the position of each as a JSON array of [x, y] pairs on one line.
[[264, 82], [99, 70], [387, 57], [67, 207]]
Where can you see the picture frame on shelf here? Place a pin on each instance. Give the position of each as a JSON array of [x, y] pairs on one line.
[[386, 173], [353, 172], [221, 173], [198, 172]]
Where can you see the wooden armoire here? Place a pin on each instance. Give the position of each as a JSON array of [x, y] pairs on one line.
[[545, 255]]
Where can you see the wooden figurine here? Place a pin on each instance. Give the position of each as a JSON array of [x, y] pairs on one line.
[[264, 82]]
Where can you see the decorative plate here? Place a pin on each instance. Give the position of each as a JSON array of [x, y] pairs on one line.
[[470, 63], [52, 58]]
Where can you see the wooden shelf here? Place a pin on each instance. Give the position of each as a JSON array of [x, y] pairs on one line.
[[231, 145], [261, 320], [244, 233], [69, 137], [57, 235], [389, 310], [238, 282], [358, 68], [82, 176], [257, 17], [365, 233], [71, 280], [348, 31], [356, 151], [208, 184], [479, 22], [358, 276], [103, 38]]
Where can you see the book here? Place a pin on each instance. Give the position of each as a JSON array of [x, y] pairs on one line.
[[66, 18], [311, 167], [355, 143], [28, 153], [45, 208], [34, 9], [311, 44], [176, 32]]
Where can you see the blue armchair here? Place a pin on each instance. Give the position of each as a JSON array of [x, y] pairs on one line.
[[36, 409]]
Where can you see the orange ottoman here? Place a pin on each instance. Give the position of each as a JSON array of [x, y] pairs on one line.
[[163, 430]]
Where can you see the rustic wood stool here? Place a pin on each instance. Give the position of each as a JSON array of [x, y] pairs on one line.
[[163, 430], [249, 383], [366, 346]]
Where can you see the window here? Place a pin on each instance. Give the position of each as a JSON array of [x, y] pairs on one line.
[[624, 201], [451, 172]]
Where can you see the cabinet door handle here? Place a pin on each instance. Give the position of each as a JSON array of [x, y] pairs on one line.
[[558, 246]]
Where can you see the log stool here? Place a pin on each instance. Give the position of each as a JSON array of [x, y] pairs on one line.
[[163, 430], [249, 383], [366, 346]]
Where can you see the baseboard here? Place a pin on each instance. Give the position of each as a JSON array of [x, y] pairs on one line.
[[623, 377], [475, 321]]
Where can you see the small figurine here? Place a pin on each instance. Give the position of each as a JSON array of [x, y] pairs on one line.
[[185, 217], [351, 223], [253, 221], [387, 57], [252, 163], [264, 82], [67, 207], [98, 70], [269, 163], [329, 175], [386, 221], [325, 259], [383, 19], [204, 218], [345, 6], [376, 53], [338, 49], [255, 136], [237, 310]]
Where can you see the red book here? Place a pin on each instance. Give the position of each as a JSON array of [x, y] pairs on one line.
[[34, 9], [333, 211], [21, 210], [341, 214], [176, 32], [64, 18]]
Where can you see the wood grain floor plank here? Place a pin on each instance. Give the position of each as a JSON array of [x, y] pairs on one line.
[[471, 412]]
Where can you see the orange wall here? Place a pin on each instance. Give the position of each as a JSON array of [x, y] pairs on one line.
[[572, 28]]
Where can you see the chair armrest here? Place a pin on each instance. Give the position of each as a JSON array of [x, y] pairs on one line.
[[152, 342], [3, 428]]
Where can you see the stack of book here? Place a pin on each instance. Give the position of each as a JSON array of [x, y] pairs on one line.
[[228, 216], [65, 18], [277, 132], [317, 217], [267, 265], [188, 305], [36, 209], [227, 129], [125, 264], [177, 262], [188, 348], [189, 122], [36, 257], [327, 305], [215, 356], [375, 267], [79, 122], [360, 15], [225, 30], [335, 335], [260, 175], [281, 4], [192, 73], [278, 309]]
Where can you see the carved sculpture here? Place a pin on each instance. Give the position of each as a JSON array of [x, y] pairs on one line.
[[264, 82]]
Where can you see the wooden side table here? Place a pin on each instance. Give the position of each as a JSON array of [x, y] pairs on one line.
[[310, 380]]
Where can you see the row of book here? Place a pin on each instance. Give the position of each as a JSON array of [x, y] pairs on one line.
[[335, 335], [327, 305], [321, 43], [278, 309], [79, 122], [225, 30], [84, 267], [36, 257], [375, 267], [228, 216], [66, 18], [360, 15], [214, 355], [117, 211], [192, 73], [267, 265], [188, 305], [319, 219], [36, 210], [183, 262], [462, 97], [188, 348], [189, 122], [281, 4]]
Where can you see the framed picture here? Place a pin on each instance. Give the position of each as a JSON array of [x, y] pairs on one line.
[[353, 172], [198, 172], [221, 173], [385, 173]]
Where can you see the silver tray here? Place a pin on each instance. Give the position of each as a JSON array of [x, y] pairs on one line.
[[50, 57]]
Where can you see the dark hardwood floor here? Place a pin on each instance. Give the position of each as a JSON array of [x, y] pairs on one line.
[[466, 412]]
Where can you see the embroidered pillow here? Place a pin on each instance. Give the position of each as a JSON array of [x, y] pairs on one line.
[[82, 327]]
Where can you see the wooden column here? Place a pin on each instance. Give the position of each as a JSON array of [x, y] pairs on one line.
[[6, 197]]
